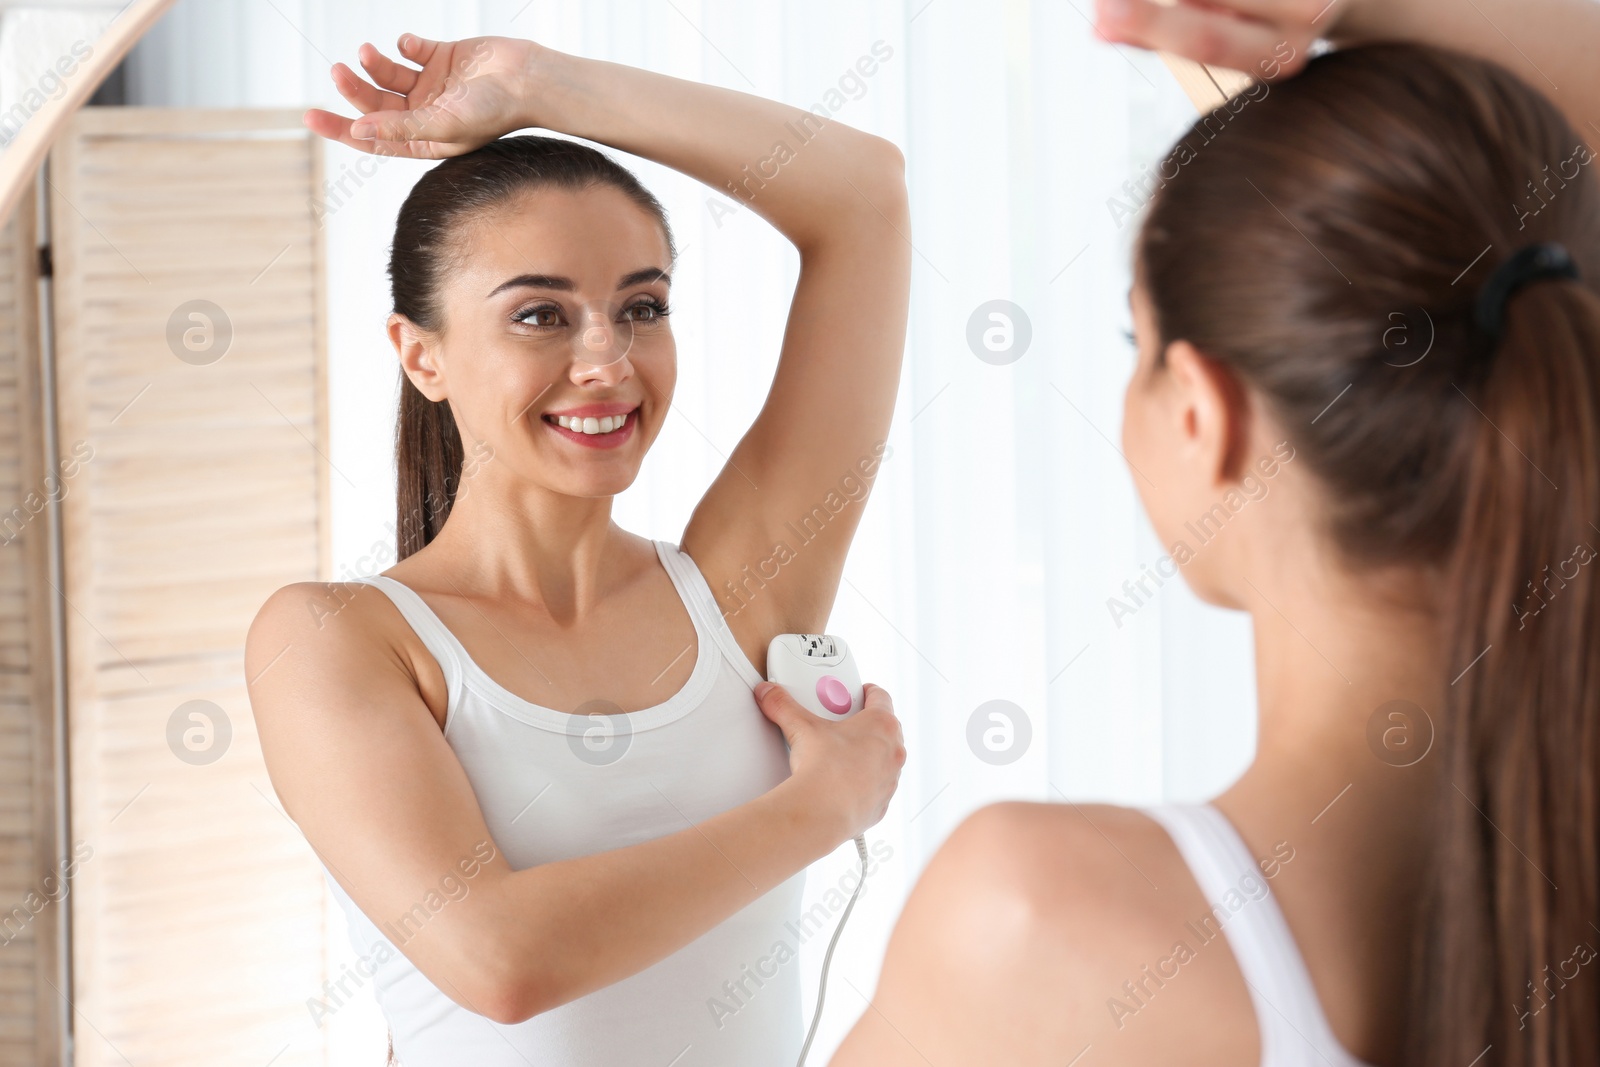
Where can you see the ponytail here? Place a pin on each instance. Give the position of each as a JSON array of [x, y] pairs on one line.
[[1515, 896], [1476, 462], [428, 457], [428, 446]]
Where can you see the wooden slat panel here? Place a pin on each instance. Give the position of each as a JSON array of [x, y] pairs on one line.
[[198, 931], [31, 1014]]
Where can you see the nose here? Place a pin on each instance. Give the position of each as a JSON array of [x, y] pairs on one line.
[[600, 341], [596, 339], [599, 355]]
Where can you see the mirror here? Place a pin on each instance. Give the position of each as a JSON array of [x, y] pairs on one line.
[[204, 413]]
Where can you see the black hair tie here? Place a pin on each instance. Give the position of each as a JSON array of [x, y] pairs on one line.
[[1528, 264]]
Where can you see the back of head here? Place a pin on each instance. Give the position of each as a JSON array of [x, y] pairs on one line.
[[1328, 243]]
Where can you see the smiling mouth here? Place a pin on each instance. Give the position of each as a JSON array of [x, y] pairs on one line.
[[590, 425]]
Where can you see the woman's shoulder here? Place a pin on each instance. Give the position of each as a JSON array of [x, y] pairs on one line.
[[317, 627], [1098, 875], [334, 638], [341, 610], [1076, 918]]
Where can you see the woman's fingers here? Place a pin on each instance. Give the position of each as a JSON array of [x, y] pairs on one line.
[[325, 123], [363, 96], [417, 49], [385, 72], [875, 696], [422, 133], [397, 125], [785, 711], [334, 128], [337, 128], [1206, 35], [1280, 12]]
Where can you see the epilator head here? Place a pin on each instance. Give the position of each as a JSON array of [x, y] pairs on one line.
[[818, 672]]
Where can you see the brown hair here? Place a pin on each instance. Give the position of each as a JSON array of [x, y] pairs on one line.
[[428, 450], [1376, 191]]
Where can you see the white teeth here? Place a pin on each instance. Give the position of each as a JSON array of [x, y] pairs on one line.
[[592, 424]]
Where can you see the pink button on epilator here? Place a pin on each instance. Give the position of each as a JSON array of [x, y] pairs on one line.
[[834, 694]]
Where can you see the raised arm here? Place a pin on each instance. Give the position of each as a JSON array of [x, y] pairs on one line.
[[836, 193], [839, 196], [1549, 43], [359, 763]]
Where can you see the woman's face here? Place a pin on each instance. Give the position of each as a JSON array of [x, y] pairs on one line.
[[555, 352]]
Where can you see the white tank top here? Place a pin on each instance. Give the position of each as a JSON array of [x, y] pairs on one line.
[[1294, 1031], [555, 785]]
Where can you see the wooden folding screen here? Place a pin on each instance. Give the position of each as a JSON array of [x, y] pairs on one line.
[[32, 987], [191, 389]]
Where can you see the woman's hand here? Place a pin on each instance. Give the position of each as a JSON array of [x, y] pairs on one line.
[[849, 769], [1267, 39], [467, 94], [1271, 39]]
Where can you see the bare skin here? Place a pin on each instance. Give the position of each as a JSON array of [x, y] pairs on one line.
[[1032, 916], [545, 592]]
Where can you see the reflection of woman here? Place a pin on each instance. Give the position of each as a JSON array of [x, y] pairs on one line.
[[535, 770], [1354, 896]]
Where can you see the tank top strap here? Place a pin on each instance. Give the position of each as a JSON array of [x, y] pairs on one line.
[[702, 608], [1294, 1030], [435, 636]]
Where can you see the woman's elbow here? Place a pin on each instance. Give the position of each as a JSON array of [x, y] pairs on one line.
[[499, 977], [513, 995], [890, 161], [514, 1008], [884, 167], [503, 1005]]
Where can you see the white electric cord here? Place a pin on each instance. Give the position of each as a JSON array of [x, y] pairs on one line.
[[822, 983]]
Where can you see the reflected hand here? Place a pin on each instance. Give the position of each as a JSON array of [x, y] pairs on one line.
[[466, 94], [1267, 39]]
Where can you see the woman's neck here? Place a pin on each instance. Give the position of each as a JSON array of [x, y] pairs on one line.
[[1350, 675], [533, 546], [1350, 688]]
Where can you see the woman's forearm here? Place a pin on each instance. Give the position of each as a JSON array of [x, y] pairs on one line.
[[554, 932], [810, 177], [1549, 43]]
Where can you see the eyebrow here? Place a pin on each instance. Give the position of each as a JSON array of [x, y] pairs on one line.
[[556, 281]]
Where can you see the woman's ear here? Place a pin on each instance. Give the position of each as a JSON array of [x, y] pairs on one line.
[[1212, 409], [418, 350]]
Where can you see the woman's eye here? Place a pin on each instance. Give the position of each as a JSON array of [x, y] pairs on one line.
[[1133, 342], [543, 317], [648, 311]]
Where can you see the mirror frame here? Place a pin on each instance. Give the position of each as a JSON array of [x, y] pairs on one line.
[[21, 161]]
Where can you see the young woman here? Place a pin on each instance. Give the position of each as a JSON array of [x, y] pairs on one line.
[[1374, 289], [533, 767]]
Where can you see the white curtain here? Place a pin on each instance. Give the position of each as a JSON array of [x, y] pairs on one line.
[[1004, 518]]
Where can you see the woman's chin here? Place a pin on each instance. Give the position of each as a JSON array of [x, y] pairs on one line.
[[599, 484]]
